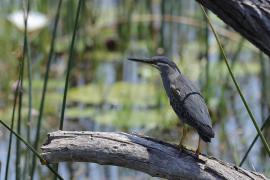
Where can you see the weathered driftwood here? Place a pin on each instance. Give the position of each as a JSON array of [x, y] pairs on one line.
[[251, 18], [137, 152]]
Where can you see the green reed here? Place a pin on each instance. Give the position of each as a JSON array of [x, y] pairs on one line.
[[237, 86], [266, 122], [18, 145], [70, 63], [12, 123], [32, 149], [44, 90]]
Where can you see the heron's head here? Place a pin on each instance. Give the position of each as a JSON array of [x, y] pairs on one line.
[[162, 63]]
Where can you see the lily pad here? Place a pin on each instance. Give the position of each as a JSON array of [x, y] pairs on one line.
[[92, 93], [137, 94]]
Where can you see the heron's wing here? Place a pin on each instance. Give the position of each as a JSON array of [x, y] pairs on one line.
[[193, 102], [193, 109], [197, 109]]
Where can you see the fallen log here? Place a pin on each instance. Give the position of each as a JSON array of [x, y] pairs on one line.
[[154, 157]]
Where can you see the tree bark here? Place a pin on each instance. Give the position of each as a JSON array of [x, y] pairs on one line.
[[140, 153], [251, 18]]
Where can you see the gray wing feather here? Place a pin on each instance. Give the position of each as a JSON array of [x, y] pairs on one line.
[[197, 109], [194, 104]]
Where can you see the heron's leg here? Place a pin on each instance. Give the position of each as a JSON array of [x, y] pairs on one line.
[[198, 151], [184, 132]]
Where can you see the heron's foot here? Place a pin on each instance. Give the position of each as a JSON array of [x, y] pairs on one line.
[[198, 151], [197, 156], [181, 147]]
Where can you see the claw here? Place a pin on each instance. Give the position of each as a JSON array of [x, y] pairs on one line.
[[180, 145], [198, 151]]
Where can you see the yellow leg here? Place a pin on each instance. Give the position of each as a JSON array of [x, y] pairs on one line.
[[184, 132], [198, 151]]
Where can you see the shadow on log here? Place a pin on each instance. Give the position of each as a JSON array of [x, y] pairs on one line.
[[138, 152]]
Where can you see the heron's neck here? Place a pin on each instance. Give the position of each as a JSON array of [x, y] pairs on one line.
[[168, 77], [169, 74]]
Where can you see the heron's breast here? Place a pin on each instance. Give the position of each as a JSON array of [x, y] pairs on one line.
[[179, 109]]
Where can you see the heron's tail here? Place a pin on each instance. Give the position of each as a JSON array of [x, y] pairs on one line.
[[206, 133]]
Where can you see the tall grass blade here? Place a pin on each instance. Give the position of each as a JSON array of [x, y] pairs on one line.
[[29, 73], [263, 76], [234, 59], [18, 145], [29, 119], [12, 124], [31, 148], [237, 86], [70, 58], [69, 67], [207, 67], [41, 107], [254, 140]]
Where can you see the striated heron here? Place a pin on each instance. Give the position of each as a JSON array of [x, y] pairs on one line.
[[185, 98]]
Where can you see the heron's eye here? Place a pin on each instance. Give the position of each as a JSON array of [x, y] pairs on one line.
[[162, 64]]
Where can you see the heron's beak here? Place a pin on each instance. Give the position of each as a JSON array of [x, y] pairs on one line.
[[144, 60]]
